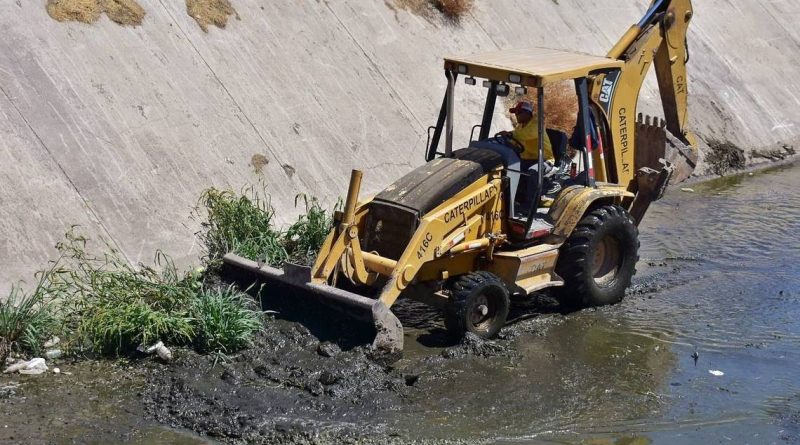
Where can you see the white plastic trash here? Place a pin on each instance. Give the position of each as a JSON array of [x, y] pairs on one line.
[[163, 352], [31, 367]]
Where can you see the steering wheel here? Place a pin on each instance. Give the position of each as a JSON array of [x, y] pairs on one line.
[[509, 140]]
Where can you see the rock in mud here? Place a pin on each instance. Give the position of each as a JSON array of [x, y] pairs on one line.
[[328, 349]]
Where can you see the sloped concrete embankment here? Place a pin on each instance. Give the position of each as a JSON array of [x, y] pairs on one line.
[[118, 129]]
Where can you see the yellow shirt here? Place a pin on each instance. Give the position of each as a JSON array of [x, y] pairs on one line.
[[528, 135]]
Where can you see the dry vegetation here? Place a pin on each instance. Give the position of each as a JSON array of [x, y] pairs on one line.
[[452, 10], [123, 12], [210, 12], [560, 105]]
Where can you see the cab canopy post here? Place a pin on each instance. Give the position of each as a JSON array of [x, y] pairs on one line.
[[584, 128], [540, 174], [488, 111], [448, 134], [433, 145]]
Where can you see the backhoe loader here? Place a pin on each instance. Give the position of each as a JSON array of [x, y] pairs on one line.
[[452, 234]]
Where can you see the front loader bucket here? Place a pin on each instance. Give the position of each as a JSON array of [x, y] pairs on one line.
[[389, 331]]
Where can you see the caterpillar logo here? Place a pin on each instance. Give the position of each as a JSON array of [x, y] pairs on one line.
[[605, 90], [465, 206]]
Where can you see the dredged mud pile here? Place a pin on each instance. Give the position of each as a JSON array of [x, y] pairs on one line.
[[289, 388]]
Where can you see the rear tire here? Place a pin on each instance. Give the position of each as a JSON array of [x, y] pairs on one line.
[[479, 304], [598, 260]]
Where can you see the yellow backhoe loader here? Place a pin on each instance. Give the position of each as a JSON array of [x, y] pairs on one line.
[[452, 233]]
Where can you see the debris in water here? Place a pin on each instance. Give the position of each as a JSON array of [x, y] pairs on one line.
[[725, 157], [687, 189], [716, 373]]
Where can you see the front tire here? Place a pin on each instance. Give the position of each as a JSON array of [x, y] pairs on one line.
[[479, 304], [598, 260]]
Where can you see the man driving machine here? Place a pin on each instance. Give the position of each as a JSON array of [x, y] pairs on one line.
[[525, 137]]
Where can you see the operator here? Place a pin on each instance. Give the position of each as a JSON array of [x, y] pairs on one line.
[[526, 136]]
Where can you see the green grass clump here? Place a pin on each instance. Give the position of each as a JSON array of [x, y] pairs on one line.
[[100, 304], [239, 223], [27, 321], [303, 239], [226, 320], [108, 307], [243, 224]]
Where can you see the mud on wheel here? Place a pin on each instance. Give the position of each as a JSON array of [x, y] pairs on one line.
[[478, 303], [599, 259]]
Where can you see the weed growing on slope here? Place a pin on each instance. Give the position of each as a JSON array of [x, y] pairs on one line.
[[453, 9], [111, 307], [211, 12], [123, 12], [450, 10], [303, 239], [105, 306], [238, 223], [243, 224], [27, 320]]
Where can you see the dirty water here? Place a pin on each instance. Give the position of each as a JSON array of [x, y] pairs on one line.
[[718, 289]]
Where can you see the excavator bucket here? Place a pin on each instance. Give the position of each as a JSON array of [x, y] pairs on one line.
[[388, 340]]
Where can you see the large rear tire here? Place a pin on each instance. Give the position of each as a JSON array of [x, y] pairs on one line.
[[479, 304], [598, 260]]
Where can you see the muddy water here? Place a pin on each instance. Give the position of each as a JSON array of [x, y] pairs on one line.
[[719, 276]]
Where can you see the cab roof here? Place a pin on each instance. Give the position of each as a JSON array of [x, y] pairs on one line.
[[536, 66]]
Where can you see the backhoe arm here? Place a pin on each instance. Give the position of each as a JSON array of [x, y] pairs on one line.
[[659, 38]]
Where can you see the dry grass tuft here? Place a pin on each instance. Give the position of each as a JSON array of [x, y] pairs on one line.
[[86, 11], [560, 105], [451, 10], [258, 162], [210, 12], [123, 12]]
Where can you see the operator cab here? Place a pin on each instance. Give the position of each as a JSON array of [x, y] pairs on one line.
[[526, 71]]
